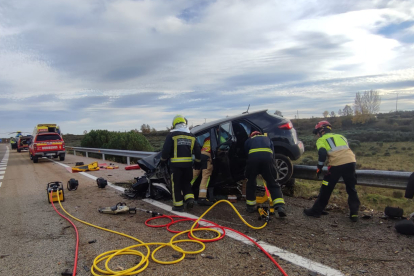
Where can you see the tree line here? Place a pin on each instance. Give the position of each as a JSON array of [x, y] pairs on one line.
[[365, 105]]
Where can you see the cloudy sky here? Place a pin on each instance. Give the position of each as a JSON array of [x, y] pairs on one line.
[[116, 64]]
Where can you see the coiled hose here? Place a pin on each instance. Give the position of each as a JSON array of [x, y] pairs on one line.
[[106, 257]]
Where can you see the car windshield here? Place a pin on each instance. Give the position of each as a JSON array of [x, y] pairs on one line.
[[48, 137]]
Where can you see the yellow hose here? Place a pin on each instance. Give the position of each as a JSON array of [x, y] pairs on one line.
[[142, 265]]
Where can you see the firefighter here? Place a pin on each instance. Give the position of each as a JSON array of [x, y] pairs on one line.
[[341, 163], [180, 144], [206, 171], [259, 149]]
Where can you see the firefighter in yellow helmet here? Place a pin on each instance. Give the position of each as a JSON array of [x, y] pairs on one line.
[[342, 163], [179, 146], [206, 170], [259, 149]]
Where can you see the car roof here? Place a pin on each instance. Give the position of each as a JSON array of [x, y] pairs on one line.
[[220, 121]]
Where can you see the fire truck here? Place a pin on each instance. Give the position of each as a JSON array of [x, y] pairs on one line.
[[47, 142]]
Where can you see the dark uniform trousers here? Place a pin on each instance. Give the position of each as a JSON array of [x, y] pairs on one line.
[[181, 184], [347, 172], [266, 168]]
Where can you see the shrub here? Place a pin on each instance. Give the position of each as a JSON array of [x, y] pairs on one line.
[[403, 148], [374, 153], [380, 144], [387, 153], [116, 140]]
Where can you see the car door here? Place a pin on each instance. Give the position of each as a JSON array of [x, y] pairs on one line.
[[222, 144]]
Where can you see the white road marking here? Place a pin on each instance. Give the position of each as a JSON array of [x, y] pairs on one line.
[[271, 249], [0, 183], [2, 172], [2, 169], [1, 177]]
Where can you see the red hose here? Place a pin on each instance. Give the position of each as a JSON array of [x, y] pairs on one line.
[[223, 228], [77, 236]]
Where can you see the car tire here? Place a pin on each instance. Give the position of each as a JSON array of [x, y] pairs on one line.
[[62, 157], [35, 159], [284, 167], [19, 150]]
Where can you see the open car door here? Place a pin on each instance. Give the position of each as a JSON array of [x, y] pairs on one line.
[[222, 146]]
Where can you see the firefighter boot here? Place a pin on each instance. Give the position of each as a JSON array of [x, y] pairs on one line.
[[281, 211], [354, 218], [204, 202], [178, 208], [190, 203], [311, 213]]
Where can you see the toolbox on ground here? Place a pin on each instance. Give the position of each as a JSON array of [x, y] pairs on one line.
[[57, 189]]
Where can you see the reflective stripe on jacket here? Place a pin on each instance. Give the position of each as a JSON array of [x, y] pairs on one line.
[[337, 148], [259, 145]]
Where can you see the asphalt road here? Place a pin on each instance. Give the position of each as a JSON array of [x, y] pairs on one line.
[[35, 240]]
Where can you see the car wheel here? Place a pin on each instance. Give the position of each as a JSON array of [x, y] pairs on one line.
[[19, 150], [35, 159], [284, 168], [62, 157]]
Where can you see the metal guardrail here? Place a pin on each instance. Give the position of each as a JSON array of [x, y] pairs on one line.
[[125, 153], [373, 178]]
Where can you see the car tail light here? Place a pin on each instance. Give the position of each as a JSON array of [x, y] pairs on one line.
[[63, 145], [286, 126], [35, 146]]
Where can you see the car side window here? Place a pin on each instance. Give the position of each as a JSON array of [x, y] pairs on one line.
[[225, 132]]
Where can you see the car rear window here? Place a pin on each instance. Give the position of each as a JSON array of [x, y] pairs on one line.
[[48, 137]]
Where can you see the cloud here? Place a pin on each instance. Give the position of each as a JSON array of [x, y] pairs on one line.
[[119, 64]]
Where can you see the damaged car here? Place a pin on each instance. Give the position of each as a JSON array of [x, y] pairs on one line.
[[227, 138]]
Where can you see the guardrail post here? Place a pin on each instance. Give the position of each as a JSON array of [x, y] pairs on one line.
[[103, 156], [74, 152], [128, 161], [86, 154]]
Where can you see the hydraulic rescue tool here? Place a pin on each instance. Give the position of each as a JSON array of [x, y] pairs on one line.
[[267, 209], [56, 188], [121, 207]]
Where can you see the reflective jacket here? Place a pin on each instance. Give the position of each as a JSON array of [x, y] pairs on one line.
[[179, 147], [260, 147], [336, 148]]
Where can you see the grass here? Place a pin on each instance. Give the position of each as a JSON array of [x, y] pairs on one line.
[[398, 156]]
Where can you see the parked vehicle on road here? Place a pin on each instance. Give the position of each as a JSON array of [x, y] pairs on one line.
[[47, 144], [23, 142]]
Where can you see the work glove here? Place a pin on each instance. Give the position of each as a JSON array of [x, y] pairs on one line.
[[318, 173], [197, 166]]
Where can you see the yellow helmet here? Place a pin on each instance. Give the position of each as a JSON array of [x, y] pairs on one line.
[[178, 119]]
